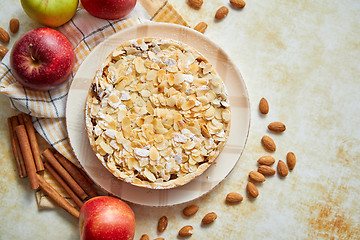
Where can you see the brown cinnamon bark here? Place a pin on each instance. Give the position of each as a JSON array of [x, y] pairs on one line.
[[49, 156], [15, 147], [15, 122], [76, 174], [57, 177], [27, 155], [53, 194], [33, 142]]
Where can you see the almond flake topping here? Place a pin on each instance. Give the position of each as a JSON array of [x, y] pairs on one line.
[[156, 112]]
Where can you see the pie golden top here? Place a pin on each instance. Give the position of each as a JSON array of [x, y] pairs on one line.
[[157, 113]]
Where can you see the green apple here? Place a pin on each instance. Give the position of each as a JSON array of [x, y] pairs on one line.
[[51, 13]]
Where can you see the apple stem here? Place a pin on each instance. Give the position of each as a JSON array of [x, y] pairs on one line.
[[31, 53]]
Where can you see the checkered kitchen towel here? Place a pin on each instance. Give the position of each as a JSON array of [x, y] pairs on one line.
[[84, 32]]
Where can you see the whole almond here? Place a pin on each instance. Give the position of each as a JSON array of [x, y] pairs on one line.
[[186, 231], [291, 160], [234, 197], [190, 210], [282, 169], [159, 239], [221, 13], [4, 36], [256, 176], [195, 3], [162, 224], [252, 189], [277, 127], [144, 237], [266, 160], [201, 27], [14, 25], [266, 170], [237, 3], [263, 106], [3, 51], [209, 218], [268, 143]]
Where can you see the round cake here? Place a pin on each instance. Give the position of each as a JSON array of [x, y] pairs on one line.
[[157, 113]]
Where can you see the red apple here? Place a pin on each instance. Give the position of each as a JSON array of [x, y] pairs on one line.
[[42, 59], [109, 9], [106, 218]]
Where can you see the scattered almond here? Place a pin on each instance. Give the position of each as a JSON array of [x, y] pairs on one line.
[[277, 127], [162, 224], [221, 13], [144, 237], [266, 160], [263, 106], [190, 210], [209, 218], [201, 27], [195, 3], [266, 170], [268, 143], [3, 51], [291, 160], [256, 176], [186, 231], [234, 197], [4, 36], [282, 169], [14, 25], [237, 3], [252, 189]]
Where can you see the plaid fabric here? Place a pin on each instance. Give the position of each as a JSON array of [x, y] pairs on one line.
[[47, 108]]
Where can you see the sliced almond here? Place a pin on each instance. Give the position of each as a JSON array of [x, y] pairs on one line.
[[154, 154]]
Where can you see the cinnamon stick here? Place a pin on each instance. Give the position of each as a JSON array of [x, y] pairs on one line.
[[14, 148], [53, 194], [21, 119], [33, 142], [27, 155], [76, 174], [14, 123], [57, 177], [49, 156]]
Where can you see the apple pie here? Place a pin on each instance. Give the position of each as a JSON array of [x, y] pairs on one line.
[[157, 113]]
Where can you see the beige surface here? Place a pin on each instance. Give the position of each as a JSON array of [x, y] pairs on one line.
[[303, 56]]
